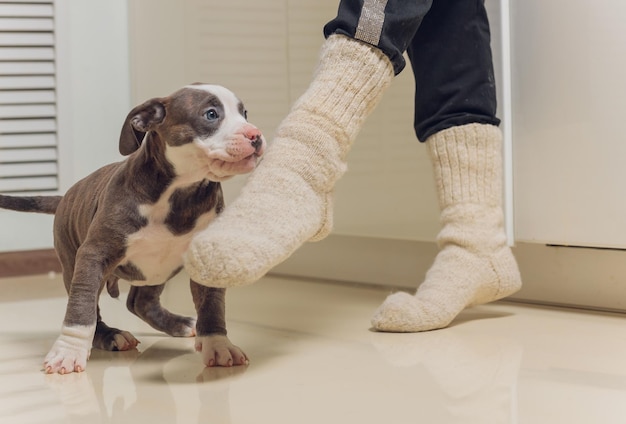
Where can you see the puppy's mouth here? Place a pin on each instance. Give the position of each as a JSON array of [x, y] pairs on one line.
[[226, 167], [242, 150], [238, 156], [235, 159]]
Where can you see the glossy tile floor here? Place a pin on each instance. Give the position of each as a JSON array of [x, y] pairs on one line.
[[314, 360]]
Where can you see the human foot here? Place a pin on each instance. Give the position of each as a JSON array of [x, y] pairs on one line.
[[475, 264], [458, 279]]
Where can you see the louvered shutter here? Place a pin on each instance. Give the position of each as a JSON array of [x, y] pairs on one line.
[[28, 137]]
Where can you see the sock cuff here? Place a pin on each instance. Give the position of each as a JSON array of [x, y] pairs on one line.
[[467, 164], [350, 79], [348, 83]]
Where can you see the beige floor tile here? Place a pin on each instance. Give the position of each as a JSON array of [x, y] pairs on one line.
[[313, 359]]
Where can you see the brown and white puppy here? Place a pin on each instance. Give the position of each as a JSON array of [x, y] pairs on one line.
[[134, 220]]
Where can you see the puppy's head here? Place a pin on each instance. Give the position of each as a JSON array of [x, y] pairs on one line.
[[204, 130]]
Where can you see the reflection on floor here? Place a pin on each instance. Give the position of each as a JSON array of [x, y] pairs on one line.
[[314, 360]]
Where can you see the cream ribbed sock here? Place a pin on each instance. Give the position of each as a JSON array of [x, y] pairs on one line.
[[475, 264], [287, 200]]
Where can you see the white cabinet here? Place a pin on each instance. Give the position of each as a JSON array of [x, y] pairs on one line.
[[569, 63]]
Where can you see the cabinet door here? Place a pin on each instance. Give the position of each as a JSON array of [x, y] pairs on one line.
[[569, 62]]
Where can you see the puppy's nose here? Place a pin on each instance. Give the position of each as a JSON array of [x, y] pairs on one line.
[[257, 143], [252, 133]]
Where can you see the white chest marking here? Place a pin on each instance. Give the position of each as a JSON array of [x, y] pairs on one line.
[[154, 250]]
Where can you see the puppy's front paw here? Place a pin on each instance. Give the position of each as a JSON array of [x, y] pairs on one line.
[[70, 351], [217, 350]]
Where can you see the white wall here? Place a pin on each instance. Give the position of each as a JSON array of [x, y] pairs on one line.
[[93, 99], [266, 52]]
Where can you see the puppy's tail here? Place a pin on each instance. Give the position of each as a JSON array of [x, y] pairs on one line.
[[39, 204]]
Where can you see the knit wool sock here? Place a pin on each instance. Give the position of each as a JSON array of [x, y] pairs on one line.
[[287, 199], [474, 264]]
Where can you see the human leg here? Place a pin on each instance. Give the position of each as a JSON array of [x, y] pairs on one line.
[[455, 115]]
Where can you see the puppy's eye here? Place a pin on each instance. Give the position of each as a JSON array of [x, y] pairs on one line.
[[245, 114], [211, 114]]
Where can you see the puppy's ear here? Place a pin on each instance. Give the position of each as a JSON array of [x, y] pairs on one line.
[[139, 121]]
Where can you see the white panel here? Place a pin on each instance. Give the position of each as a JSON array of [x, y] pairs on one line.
[[28, 82], [26, 53], [26, 10], [27, 111], [29, 1], [27, 96], [304, 39], [93, 83], [26, 68], [26, 24], [248, 57], [26, 39], [27, 140], [156, 50], [28, 184], [569, 109], [27, 125], [25, 231], [28, 155], [27, 169]]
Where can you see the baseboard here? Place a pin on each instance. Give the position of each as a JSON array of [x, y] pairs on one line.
[[29, 262], [554, 275], [573, 277], [583, 277]]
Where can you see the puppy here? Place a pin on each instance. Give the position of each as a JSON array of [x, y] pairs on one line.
[[134, 219]]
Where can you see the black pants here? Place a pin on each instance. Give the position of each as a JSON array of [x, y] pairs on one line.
[[448, 44]]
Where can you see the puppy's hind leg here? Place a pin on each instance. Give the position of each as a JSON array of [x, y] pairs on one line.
[[144, 301], [113, 339]]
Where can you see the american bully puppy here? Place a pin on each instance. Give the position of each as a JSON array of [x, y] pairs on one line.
[[134, 219]]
